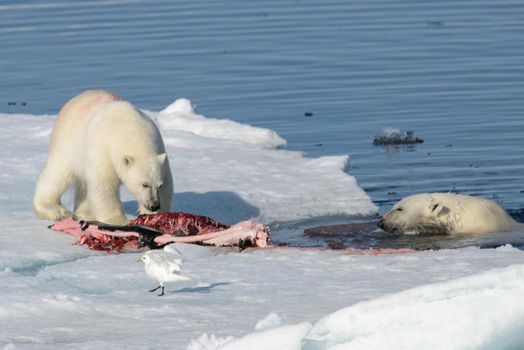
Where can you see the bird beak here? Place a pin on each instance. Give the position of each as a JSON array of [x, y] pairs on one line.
[[139, 259]]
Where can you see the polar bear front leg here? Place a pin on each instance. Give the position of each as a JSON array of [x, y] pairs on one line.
[[104, 200], [52, 183], [82, 210], [166, 192]]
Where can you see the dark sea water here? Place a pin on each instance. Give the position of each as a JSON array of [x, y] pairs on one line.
[[452, 71]]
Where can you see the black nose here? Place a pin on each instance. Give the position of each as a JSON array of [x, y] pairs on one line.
[[380, 223], [154, 206]]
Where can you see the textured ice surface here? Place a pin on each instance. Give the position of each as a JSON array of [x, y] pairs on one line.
[[482, 311], [181, 115]]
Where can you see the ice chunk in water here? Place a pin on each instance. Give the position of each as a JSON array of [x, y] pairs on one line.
[[393, 136]]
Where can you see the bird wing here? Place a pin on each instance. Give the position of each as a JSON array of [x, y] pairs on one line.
[[175, 265], [164, 267]]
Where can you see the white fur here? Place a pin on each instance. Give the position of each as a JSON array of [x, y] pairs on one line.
[[447, 213], [98, 143]]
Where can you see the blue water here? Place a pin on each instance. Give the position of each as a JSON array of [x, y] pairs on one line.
[[452, 71]]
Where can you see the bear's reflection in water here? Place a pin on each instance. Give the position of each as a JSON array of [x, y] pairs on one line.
[[366, 235]]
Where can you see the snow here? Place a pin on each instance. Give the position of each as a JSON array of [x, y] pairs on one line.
[[467, 312], [272, 320], [287, 337], [181, 115], [483, 311], [54, 295]]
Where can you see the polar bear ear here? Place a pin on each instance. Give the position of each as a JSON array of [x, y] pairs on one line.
[[127, 161], [439, 209], [444, 211], [161, 158]]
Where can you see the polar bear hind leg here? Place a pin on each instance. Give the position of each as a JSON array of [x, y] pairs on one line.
[[53, 182]]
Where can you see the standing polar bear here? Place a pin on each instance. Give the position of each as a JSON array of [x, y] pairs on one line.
[[447, 213], [99, 142]]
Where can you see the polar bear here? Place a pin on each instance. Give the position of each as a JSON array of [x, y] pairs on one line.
[[99, 142], [447, 213]]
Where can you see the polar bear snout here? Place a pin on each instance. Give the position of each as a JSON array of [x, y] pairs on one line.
[[150, 200], [154, 206], [387, 226], [383, 224]]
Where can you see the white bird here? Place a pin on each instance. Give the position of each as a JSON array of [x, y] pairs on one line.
[[163, 268]]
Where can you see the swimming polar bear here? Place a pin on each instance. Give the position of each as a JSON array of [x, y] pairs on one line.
[[447, 213], [99, 142]]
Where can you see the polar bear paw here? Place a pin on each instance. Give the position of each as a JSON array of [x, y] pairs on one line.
[[53, 212]]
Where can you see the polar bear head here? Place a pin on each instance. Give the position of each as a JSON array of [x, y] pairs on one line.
[[145, 179], [417, 214]]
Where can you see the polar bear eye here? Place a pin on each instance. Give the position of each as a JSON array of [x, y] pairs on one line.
[[145, 185], [399, 209]]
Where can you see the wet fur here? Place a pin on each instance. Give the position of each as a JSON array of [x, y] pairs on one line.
[[447, 214]]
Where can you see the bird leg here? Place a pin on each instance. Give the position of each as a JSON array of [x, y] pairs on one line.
[[154, 289]]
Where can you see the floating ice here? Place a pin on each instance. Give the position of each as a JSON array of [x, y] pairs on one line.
[[181, 115], [393, 136]]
